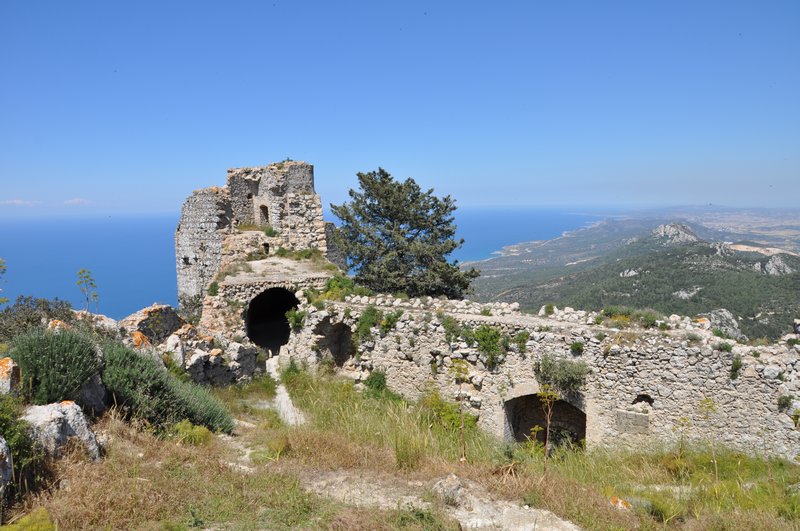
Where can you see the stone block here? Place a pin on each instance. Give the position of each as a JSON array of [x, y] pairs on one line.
[[632, 422]]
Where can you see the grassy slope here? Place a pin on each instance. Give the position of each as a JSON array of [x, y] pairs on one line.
[[150, 483]]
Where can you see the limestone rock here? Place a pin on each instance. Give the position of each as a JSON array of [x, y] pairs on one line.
[[675, 234], [9, 376], [156, 322], [5, 467], [55, 424], [93, 395], [725, 321], [449, 490]]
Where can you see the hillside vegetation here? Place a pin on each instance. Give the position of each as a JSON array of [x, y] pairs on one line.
[[631, 264]]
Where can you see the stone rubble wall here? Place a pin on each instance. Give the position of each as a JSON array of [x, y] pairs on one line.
[[206, 238], [204, 222], [677, 369]]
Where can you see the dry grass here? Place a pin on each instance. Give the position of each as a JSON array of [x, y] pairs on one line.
[[149, 483]]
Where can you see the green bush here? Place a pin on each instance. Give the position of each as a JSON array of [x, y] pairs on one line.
[[576, 347], [435, 410], [563, 375], [720, 333], [722, 346], [452, 330], [369, 318], [389, 321], [647, 318], [145, 390], [188, 433], [736, 366], [27, 313], [27, 460], [617, 311], [270, 231], [521, 340], [376, 381], [490, 344], [296, 319], [785, 402], [549, 309], [54, 365], [213, 289]]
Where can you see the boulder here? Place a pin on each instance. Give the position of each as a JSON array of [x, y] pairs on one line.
[[5, 468], [449, 490], [725, 321], [242, 359], [93, 396], [98, 321], [54, 425], [9, 376], [157, 322]]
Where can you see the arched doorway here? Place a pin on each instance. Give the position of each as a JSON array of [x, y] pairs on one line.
[[336, 341], [568, 423], [265, 320]]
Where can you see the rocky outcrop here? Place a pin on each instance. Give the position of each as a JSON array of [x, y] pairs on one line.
[[156, 322], [9, 377], [54, 425], [724, 321], [675, 234]]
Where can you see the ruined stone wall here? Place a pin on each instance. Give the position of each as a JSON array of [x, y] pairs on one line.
[[204, 222], [672, 369]]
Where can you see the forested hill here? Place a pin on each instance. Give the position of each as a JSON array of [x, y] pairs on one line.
[[683, 268]]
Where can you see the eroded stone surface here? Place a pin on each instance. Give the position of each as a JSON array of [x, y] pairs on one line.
[[54, 425]]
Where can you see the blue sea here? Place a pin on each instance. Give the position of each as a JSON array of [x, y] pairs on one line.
[[133, 260]]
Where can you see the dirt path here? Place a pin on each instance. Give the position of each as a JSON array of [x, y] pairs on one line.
[[283, 403]]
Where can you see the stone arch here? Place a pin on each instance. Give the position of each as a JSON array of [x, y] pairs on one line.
[[336, 340], [524, 411], [263, 211], [265, 319]]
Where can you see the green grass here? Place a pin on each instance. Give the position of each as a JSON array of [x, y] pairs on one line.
[[409, 428]]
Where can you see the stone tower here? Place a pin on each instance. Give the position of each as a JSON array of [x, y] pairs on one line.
[[278, 200]]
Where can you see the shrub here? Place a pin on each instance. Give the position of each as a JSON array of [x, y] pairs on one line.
[[576, 348], [785, 402], [435, 410], [693, 337], [722, 346], [486, 312], [389, 321], [521, 340], [490, 344], [54, 365], [549, 309], [28, 312], [720, 333], [296, 319], [792, 341], [376, 381], [145, 390], [647, 318], [452, 330], [270, 231], [617, 311], [736, 366], [213, 289], [369, 318], [26, 459], [565, 376], [188, 433]]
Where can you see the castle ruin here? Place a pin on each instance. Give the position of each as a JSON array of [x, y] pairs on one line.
[[642, 389]]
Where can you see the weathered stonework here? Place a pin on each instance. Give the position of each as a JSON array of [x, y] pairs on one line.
[[642, 388], [645, 387], [280, 195]]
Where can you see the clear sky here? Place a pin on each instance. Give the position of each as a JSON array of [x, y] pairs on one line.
[[129, 106]]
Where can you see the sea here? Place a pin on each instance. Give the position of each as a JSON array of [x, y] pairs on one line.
[[132, 258]]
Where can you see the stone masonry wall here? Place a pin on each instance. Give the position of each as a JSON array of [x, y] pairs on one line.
[[205, 219], [674, 369]]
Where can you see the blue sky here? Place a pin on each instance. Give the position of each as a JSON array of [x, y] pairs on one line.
[[112, 107]]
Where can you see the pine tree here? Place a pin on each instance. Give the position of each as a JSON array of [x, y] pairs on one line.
[[396, 238]]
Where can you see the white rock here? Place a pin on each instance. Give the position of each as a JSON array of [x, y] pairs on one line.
[[54, 425]]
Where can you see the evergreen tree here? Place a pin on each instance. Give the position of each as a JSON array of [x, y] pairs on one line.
[[396, 238]]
